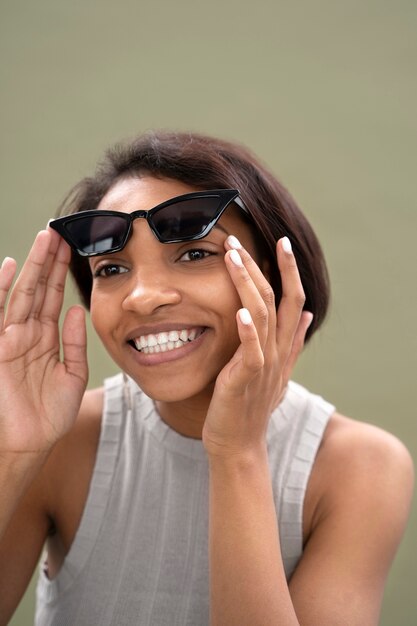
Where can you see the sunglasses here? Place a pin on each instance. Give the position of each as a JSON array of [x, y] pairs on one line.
[[187, 217]]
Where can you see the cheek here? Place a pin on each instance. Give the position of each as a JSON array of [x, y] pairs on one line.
[[101, 314], [220, 294]]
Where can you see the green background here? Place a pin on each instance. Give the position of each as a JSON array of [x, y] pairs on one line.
[[325, 92]]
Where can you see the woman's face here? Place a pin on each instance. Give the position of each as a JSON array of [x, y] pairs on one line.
[[178, 296]]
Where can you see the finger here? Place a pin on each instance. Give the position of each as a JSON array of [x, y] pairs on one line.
[[7, 274], [297, 345], [253, 289], [74, 342], [24, 290], [43, 278], [55, 286], [250, 356], [292, 300]]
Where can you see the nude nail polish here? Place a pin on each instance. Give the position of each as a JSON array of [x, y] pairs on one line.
[[286, 245], [235, 257], [245, 316], [234, 242]]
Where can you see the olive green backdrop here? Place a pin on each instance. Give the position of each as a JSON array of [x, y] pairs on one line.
[[325, 92]]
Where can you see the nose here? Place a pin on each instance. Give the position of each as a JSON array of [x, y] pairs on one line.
[[149, 293], [151, 285]]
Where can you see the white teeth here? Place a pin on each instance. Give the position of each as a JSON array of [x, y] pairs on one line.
[[152, 340], [164, 341]]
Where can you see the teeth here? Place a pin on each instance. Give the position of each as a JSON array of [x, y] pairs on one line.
[[162, 342], [152, 340], [162, 338]]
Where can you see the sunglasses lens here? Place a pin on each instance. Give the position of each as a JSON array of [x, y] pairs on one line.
[[186, 219], [98, 234]]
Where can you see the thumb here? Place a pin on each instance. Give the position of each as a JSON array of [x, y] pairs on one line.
[[74, 341]]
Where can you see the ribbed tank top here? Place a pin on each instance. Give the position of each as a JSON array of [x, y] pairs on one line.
[[140, 554]]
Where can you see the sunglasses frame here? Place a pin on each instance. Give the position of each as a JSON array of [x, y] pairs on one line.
[[226, 196]]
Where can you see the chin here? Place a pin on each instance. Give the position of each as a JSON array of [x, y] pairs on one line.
[[177, 391]]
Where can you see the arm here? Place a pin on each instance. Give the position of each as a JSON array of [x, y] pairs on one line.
[[248, 585]]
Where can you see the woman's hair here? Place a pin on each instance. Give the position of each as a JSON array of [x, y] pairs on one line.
[[209, 163]]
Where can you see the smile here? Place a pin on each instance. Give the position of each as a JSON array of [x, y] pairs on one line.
[[165, 341]]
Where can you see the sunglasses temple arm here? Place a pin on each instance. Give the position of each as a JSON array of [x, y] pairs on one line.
[[240, 204]]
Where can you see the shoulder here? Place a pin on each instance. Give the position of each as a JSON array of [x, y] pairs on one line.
[[361, 448], [360, 467], [358, 503]]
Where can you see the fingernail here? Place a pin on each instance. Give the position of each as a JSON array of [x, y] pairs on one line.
[[235, 257], [245, 317], [234, 242], [286, 245], [6, 258], [309, 320]]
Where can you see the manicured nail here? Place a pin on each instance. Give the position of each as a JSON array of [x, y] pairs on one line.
[[245, 317], [235, 256], [310, 318], [234, 242], [6, 258], [286, 245]]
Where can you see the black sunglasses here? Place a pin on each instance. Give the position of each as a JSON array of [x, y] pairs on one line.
[[184, 218]]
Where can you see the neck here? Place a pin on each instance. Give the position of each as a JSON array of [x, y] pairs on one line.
[[186, 417]]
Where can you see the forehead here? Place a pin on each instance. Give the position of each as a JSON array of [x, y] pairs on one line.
[[133, 194]]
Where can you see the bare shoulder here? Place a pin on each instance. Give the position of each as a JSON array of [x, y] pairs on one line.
[[362, 466], [356, 510], [353, 446]]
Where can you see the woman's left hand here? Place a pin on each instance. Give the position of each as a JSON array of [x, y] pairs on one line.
[[252, 384]]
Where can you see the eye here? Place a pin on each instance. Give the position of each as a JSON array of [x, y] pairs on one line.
[[195, 255], [106, 271]]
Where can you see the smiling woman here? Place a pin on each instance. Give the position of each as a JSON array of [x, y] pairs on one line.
[[209, 487]]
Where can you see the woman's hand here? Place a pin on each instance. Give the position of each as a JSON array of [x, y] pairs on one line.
[[40, 395], [252, 384]]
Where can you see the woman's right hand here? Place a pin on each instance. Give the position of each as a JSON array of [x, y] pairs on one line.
[[40, 395]]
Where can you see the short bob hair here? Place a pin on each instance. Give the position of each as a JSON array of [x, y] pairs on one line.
[[205, 162]]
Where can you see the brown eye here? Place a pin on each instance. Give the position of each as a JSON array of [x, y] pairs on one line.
[[106, 271], [195, 255]]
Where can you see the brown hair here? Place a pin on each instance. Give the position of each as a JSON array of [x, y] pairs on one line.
[[209, 163]]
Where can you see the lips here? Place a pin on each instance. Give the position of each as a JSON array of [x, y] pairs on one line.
[[166, 340]]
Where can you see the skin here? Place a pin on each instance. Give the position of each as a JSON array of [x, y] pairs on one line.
[[359, 493]]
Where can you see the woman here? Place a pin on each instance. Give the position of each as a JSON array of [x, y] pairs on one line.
[[201, 485]]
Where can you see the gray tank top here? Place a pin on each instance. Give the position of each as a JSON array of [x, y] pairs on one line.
[[140, 554]]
